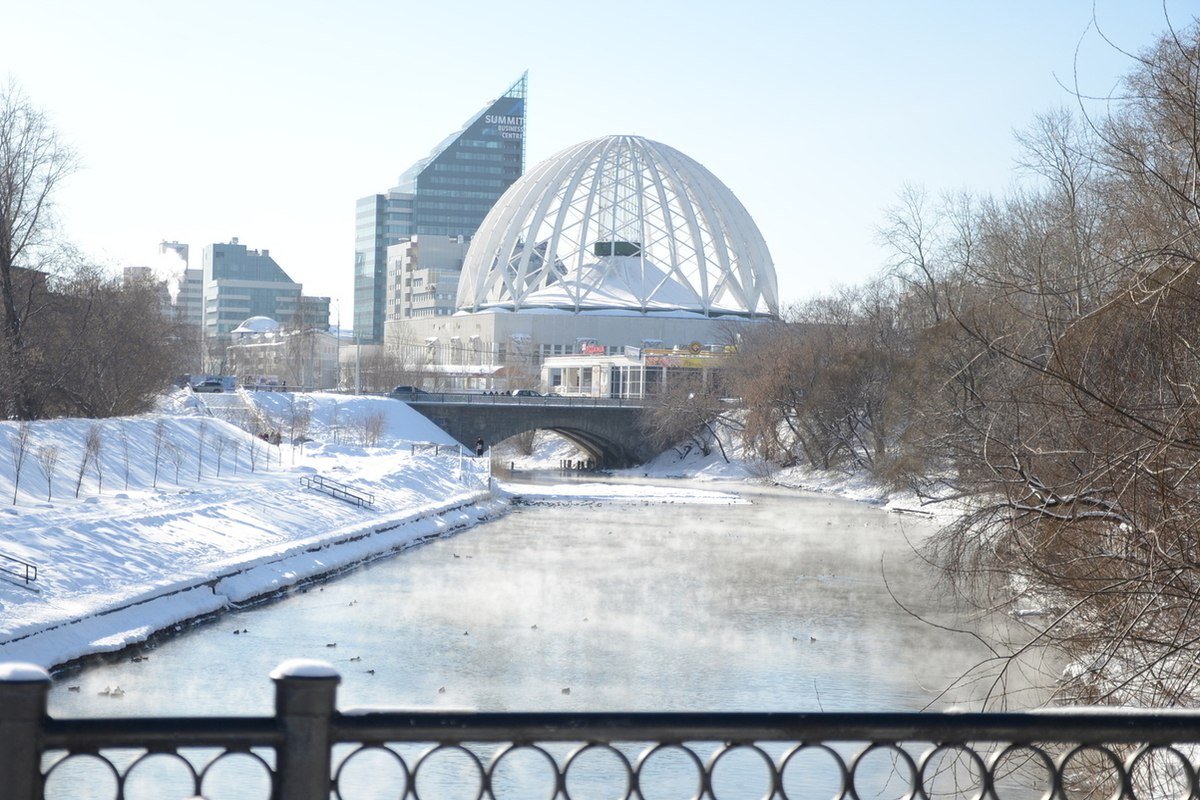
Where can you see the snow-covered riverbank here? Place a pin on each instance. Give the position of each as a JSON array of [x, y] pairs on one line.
[[188, 515]]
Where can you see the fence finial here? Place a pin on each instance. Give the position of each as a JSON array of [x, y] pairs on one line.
[[305, 702]]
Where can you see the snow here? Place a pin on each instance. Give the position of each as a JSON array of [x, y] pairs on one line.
[[134, 554], [18, 672], [189, 515], [304, 668]]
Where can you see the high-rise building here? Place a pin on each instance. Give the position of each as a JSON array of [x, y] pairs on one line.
[[240, 283], [422, 278], [445, 194]]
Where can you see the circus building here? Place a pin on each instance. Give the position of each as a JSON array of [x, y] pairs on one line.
[[612, 246]]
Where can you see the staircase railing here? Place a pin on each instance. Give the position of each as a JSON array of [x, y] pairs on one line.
[[341, 491]]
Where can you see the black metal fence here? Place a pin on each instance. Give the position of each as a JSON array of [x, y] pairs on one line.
[[310, 750]]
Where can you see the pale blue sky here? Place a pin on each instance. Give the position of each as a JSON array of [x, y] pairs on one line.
[[201, 121]]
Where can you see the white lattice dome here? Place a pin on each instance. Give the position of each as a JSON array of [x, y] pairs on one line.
[[620, 222]]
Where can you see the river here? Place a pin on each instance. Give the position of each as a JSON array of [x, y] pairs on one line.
[[787, 602]]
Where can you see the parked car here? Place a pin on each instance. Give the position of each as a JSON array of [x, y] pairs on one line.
[[525, 393], [208, 385], [407, 391]]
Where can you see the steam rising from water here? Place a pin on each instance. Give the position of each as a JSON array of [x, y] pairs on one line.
[[628, 605]]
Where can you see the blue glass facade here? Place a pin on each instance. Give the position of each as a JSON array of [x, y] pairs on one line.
[[447, 193]]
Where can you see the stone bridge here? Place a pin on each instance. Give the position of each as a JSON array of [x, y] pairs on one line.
[[605, 428]]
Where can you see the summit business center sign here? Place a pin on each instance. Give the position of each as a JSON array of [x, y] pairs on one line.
[[508, 126]]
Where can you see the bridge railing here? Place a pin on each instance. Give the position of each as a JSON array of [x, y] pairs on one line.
[[310, 750], [475, 398]]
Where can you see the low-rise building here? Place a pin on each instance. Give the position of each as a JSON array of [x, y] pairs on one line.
[[634, 374], [266, 355]]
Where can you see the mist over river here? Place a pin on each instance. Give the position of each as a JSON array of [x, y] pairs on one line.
[[780, 601]]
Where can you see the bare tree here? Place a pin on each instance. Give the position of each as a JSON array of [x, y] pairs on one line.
[[124, 431], [33, 161], [1067, 385], [160, 441], [175, 456], [397, 363], [299, 418], [201, 434], [73, 341], [219, 444], [252, 452], [911, 233], [47, 458], [335, 424], [112, 347], [370, 427], [20, 449], [687, 414], [92, 444], [820, 388]]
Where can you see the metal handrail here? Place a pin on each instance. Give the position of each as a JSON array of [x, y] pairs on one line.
[[27, 570], [1069, 727], [313, 742], [341, 491], [155, 733]]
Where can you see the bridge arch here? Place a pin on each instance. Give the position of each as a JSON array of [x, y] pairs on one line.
[[609, 433]]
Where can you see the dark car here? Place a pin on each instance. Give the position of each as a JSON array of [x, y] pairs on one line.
[[407, 391], [209, 385]]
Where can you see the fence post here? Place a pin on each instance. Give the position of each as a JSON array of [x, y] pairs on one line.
[[23, 692], [305, 698]]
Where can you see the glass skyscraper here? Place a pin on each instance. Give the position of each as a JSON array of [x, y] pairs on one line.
[[445, 194]]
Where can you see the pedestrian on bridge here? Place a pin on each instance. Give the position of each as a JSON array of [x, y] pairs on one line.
[[479, 447]]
